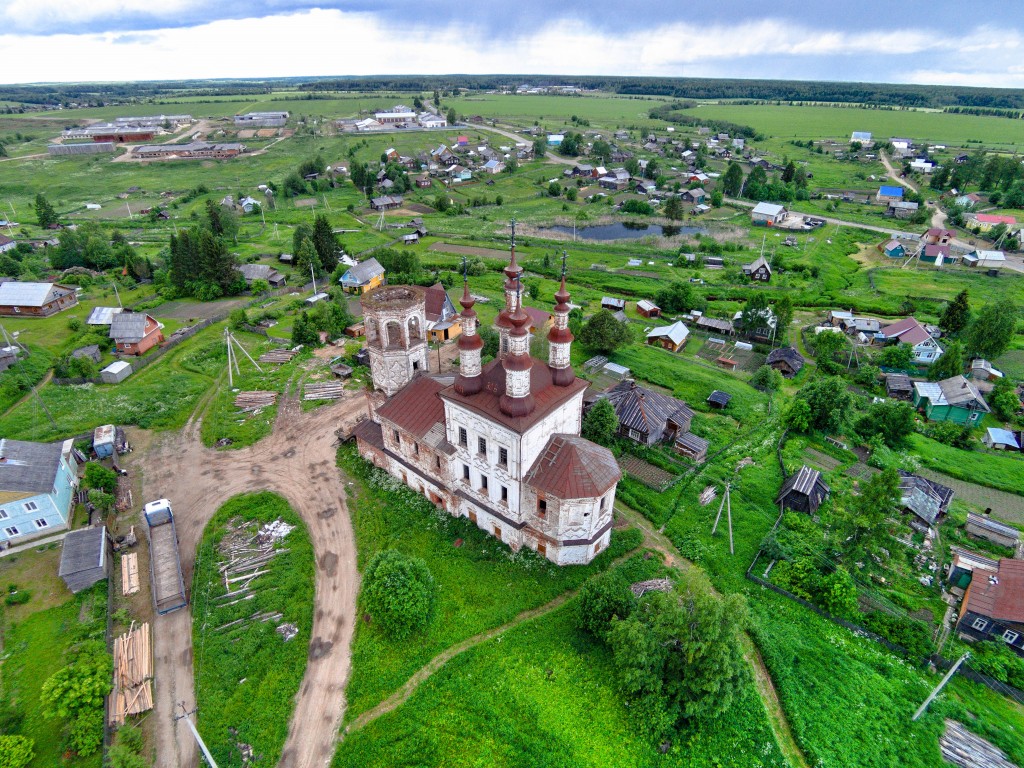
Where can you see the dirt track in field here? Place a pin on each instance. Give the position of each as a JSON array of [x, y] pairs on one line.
[[297, 461]]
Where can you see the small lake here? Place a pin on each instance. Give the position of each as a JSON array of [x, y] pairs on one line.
[[627, 230]]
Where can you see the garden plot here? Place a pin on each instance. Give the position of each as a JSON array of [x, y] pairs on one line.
[[648, 474], [821, 460], [1008, 507], [746, 359]]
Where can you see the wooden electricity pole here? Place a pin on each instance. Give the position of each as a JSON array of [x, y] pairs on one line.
[[939, 687]]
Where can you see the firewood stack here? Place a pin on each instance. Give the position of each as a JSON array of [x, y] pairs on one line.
[[251, 401], [133, 675]]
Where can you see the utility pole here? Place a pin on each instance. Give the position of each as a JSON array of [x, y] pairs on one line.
[[719, 515], [728, 510], [186, 716], [939, 687], [118, 296], [313, 275]]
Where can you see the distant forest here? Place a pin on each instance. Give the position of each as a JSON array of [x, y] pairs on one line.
[[1007, 102]]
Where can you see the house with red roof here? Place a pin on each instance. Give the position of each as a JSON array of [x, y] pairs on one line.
[[993, 606], [986, 221], [910, 331]]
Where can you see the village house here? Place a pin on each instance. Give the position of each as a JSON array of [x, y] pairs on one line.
[[501, 444], [648, 417], [936, 236], [19, 299], [386, 202], [7, 244], [968, 200], [696, 196], [1000, 439], [898, 386], [803, 491], [540, 320], [363, 277], [442, 319], [985, 259], [889, 194], [902, 209], [647, 308], [135, 333], [715, 325], [759, 270], [936, 254], [894, 249], [924, 498], [262, 272], [909, 331], [37, 483], [993, 606], [671, 337], [954, 399], [768, 214], [786, 361], [612, 304]]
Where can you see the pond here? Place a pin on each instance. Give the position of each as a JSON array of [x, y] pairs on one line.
[[627, 230]]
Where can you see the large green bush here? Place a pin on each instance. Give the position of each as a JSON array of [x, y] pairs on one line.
[[399, 593]]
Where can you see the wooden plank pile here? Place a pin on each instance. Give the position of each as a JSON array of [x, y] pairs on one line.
[[324, 390], [708, 495], [962, 748], [248, 555], [133, 675], [277, 356], [253, 400], [129, 573]]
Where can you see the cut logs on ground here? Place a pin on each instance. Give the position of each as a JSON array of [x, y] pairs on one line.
[[327, 390], [133, 675], [253, 400]]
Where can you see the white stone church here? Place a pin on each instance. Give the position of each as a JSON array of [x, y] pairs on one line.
[[497, 443]]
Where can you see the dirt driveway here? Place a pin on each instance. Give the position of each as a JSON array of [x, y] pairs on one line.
[[298, 461]]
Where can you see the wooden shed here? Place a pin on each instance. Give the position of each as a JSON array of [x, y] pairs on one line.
[[803, 491], [85, 558], [991, 530]]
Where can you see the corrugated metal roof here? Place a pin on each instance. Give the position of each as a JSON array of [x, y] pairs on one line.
[[989, 524], [925, 498], [572, 467], [415, 408], [363, 272], [692, 443], [128, 327], [718, 397], [647, 411], [1000, 597], [16, 294], [806, 482], [676, 333], [28, 467], [999, 436], [103, 315]]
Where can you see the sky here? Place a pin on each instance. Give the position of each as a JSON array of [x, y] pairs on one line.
[[913, 41]]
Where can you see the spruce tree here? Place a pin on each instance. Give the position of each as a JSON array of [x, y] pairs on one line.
[[325, 242], [956, 315], [45, 214]]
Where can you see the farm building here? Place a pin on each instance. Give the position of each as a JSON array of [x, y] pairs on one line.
[[993, 606], [103, 315], [648, 417], [612, 304], [196, 150], [985, 259], [85, 558], [759, 269], [985, 527], [954, 399], [692, 447], [386, 202], [924, 498], [135, 333], [262, 272], [443, 322], [889, 194], [37, 482], [363, 277], [894, 249], [116, 372], [1000, 439], [95, 148], [899, 386], [35, 299], [786, 361], [803, 491], [983, 370], [719, 399], [910, 331], [767, 214], [648, 308], [261, 120], [671, 337]]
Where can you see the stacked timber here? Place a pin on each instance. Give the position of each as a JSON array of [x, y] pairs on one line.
[[277, 356], [325, 390], [133, 675], [963, 748], [129, 574], [251, 401]]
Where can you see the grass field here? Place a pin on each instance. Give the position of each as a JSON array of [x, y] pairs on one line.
[[256, 711], [1003, 471], [816, 122], [481, 582]]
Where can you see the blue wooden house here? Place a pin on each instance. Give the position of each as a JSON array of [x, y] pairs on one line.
[[37, 483]]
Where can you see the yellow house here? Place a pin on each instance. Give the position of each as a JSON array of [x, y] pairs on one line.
[[363, 277]]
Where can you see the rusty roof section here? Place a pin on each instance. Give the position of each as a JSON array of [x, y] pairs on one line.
[[572, 467], [546, 395], [999, 596], [416, 407]]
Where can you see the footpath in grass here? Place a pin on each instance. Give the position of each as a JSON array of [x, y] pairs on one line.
[[544, 694], [33, 650], [481, 582], [247, 672]]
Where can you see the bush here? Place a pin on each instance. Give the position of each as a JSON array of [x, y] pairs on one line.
[[98, 476], [914, 636], [399, 593], [601, 600], [16, 751], [17, 598]]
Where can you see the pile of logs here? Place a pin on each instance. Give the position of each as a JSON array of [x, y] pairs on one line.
[[247, 555], [129, 573], [133, 675], [326, 390], [961, 747], [708, 495], [251, 401], [277, 356]]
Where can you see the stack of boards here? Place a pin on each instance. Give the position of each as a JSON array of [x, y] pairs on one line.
[[133, 675]]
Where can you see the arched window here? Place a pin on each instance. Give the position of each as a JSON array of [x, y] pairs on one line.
[[414, 328], [394, 333]]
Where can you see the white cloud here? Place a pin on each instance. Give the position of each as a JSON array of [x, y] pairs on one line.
[[37, 14], [333, 42]]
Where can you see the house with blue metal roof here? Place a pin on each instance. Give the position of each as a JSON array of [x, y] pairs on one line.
[[888, 194]]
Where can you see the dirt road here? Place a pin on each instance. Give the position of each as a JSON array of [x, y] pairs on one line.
[[297, 461]]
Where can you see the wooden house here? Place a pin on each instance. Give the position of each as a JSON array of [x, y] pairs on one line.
[[803, 491], [265, 272], [954, 399], [692, 447], [135, 333], [894, 249], [19, 299], [612, 304], [37, 482], [786, 361], [984, 527], [443, 322], [925, 499], [899, 386], [993, 606], [648, 417], [909, 331], [759, 269], [671, 337], [648, 308], [363, 277], [85, 558]]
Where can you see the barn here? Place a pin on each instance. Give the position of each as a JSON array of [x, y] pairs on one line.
[[803, 491], [85, 558]]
